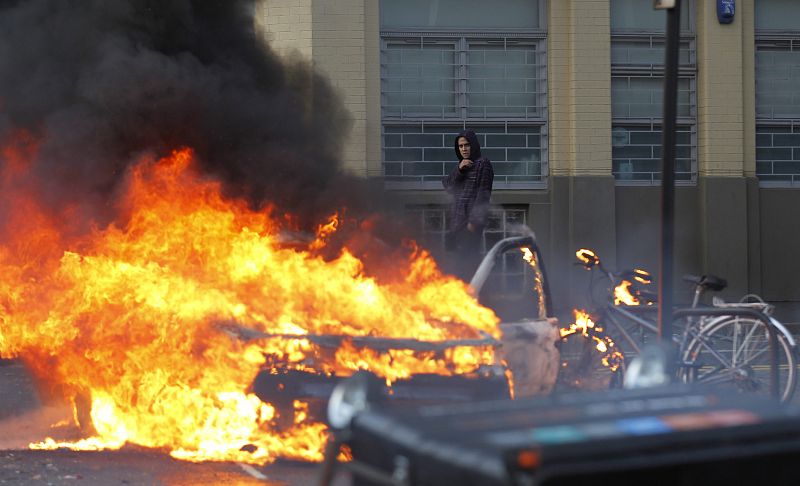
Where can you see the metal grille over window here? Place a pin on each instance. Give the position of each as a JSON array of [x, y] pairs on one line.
[[419, 154], [433, 222], [637, 78], [777, 66], [512, 274], [778, 153], [487, 73]]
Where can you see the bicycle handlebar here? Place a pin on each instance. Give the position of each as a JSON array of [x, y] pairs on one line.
[[591, 261]]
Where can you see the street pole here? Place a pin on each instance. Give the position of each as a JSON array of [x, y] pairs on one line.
[[665, 306]]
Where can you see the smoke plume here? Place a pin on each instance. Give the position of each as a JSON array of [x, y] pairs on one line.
[[97, 84]]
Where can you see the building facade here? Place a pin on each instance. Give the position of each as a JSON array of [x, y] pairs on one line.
[[566, 95]]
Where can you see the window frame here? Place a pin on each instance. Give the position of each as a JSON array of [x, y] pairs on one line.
[[792, 38], [510, 266], [686, 71], [537, 38]]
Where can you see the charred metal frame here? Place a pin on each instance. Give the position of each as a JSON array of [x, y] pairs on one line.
[[525, 241]]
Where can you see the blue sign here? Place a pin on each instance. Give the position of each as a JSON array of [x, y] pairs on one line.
[[725, 11]]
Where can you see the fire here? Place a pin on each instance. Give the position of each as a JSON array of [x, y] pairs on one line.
[[612, 358], [587, 257], [324, 231], [510, 378], [622, 294], [135, 316], [583, 323], [538, 285]]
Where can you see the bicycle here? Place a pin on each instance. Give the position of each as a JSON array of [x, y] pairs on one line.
[[725, 344]]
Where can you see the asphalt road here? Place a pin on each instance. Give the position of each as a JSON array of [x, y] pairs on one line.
[[23, 419]]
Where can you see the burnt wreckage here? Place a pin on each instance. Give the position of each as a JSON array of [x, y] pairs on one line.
[[526, 365]]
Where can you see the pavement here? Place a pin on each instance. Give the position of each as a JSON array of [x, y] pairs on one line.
[[24, 419]]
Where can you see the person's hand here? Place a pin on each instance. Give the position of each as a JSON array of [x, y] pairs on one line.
[[471, 227], [465, 163]]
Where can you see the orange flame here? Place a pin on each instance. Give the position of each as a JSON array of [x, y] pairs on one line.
[[611, 357], [642, 276], [134, 316], [583, 323], [324, 231], [538, 285], [587, 257], [509, 378], [622, 294]]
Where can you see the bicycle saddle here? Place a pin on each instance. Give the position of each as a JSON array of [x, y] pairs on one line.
[[709, 282]]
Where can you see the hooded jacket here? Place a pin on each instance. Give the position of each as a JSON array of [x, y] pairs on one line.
[[470, 187]]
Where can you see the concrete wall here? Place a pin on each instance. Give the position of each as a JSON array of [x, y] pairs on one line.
[[780, 244]]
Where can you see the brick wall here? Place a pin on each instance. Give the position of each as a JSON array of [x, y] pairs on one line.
[[579, 78], [339, 52], [720, 93], [285, 25], [331, 35]]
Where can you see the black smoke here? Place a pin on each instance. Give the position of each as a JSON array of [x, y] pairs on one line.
[[102, 82]]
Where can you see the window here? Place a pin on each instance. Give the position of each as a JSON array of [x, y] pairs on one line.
[[777, 66], [447, 65], [511, 273], [637, 77], [433, 221]]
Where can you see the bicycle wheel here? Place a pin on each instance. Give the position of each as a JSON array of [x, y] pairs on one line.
[[586, 365], [733, 352]]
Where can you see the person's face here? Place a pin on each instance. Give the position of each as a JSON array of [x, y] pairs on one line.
[[463, 147]]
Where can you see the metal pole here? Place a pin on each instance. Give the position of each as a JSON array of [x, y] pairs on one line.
[[668, 172]]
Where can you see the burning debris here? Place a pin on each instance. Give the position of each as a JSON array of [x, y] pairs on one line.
[[591, 357], [129, 317], [605, 346], [624, 293]]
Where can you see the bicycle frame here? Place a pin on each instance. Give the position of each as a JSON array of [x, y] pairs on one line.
[[701, 342], [614, 309], [755, 314], [718, 314]]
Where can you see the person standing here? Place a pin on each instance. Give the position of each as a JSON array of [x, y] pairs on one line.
[[470, 186]]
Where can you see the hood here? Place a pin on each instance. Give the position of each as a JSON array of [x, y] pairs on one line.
[[474, 145]]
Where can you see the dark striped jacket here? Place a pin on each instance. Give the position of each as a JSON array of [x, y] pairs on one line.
[[471, 189]]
